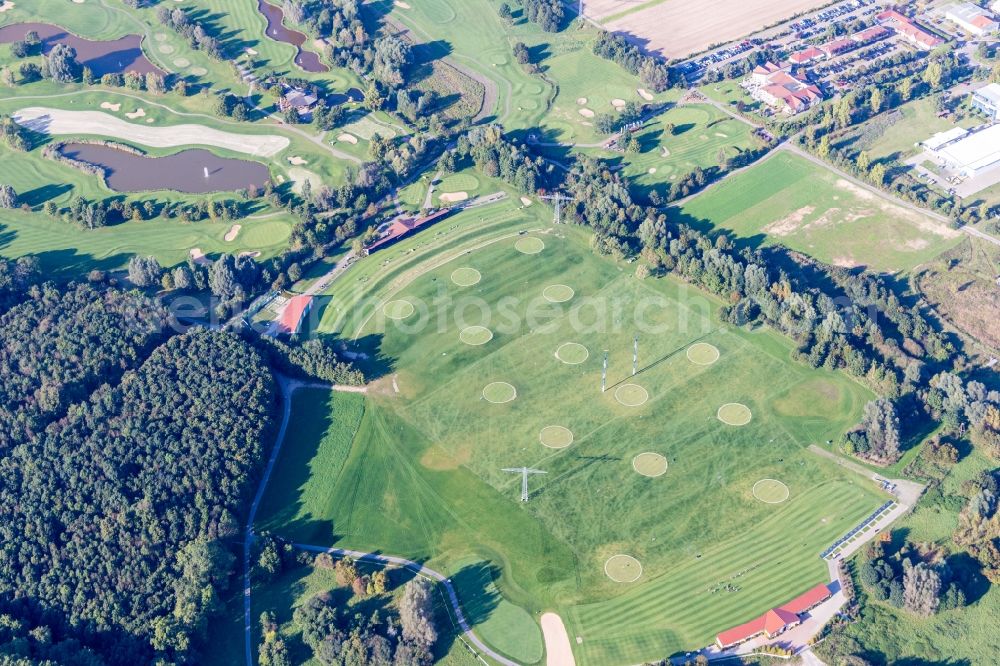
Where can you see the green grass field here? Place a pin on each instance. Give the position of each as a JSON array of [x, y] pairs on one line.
[[424, 478], [790, 201], [702, 135]]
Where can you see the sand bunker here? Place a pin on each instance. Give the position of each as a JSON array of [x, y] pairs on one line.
[[401, 4], [250, 253], [347, 138], [652, 170], [7, 5], [665, 152], [581, 101], [618, 103], [525, 201], [181, 62], [198, 71], [58, 121], [296, 160], [165, 48], [199, 257], [452, 197], [586, 113], [645, 94], [111, 107], [233, 232], [138, 113], [250, 51], [558, 651]]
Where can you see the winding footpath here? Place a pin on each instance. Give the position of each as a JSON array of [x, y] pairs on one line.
[[288, 387]]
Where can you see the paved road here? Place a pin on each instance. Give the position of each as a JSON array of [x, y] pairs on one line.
[[420, 570]]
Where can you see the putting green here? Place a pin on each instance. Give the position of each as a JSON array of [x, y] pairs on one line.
[[529, 245], [476, 335], [572, 353], [499, 392], [465, 276], [650, 464], [398, 309], [770, 491], [702, 353], [734, 413], [631, 395], [557, 293], [623, 568], [556, 437]]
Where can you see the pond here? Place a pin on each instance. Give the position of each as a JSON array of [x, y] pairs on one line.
[[111, 57], [193, 171], [276, 30]]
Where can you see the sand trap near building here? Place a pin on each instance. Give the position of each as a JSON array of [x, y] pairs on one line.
[[295, 160], [645, 94], [138, 113], [453, 197], [111, 107], [233, 232], [558, 651], [347, 138], [58, 122], [586, 113]]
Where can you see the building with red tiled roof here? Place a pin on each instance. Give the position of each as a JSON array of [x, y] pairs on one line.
[[805, 55], [908, 30], [775, 621], [290, 322], [838, 46], [781, 89], [869, 35], [404, 226]]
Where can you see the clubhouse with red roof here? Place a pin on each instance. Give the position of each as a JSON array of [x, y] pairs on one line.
[[775, 621]]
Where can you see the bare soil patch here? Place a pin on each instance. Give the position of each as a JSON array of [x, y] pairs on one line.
[[677, 29]]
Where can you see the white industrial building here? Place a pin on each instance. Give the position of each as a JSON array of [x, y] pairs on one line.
[[971, 18], [987, 100], [972, 155]]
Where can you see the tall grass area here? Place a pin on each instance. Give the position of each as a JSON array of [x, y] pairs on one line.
[[790, 201]]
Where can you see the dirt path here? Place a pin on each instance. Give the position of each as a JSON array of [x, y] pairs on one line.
[[558, 650]]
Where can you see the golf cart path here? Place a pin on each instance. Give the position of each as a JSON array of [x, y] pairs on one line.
[[287, 387]]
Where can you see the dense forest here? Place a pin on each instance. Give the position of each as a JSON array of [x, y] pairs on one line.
[[123, 474]]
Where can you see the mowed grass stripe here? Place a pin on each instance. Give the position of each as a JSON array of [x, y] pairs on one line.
[[757, 547]]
